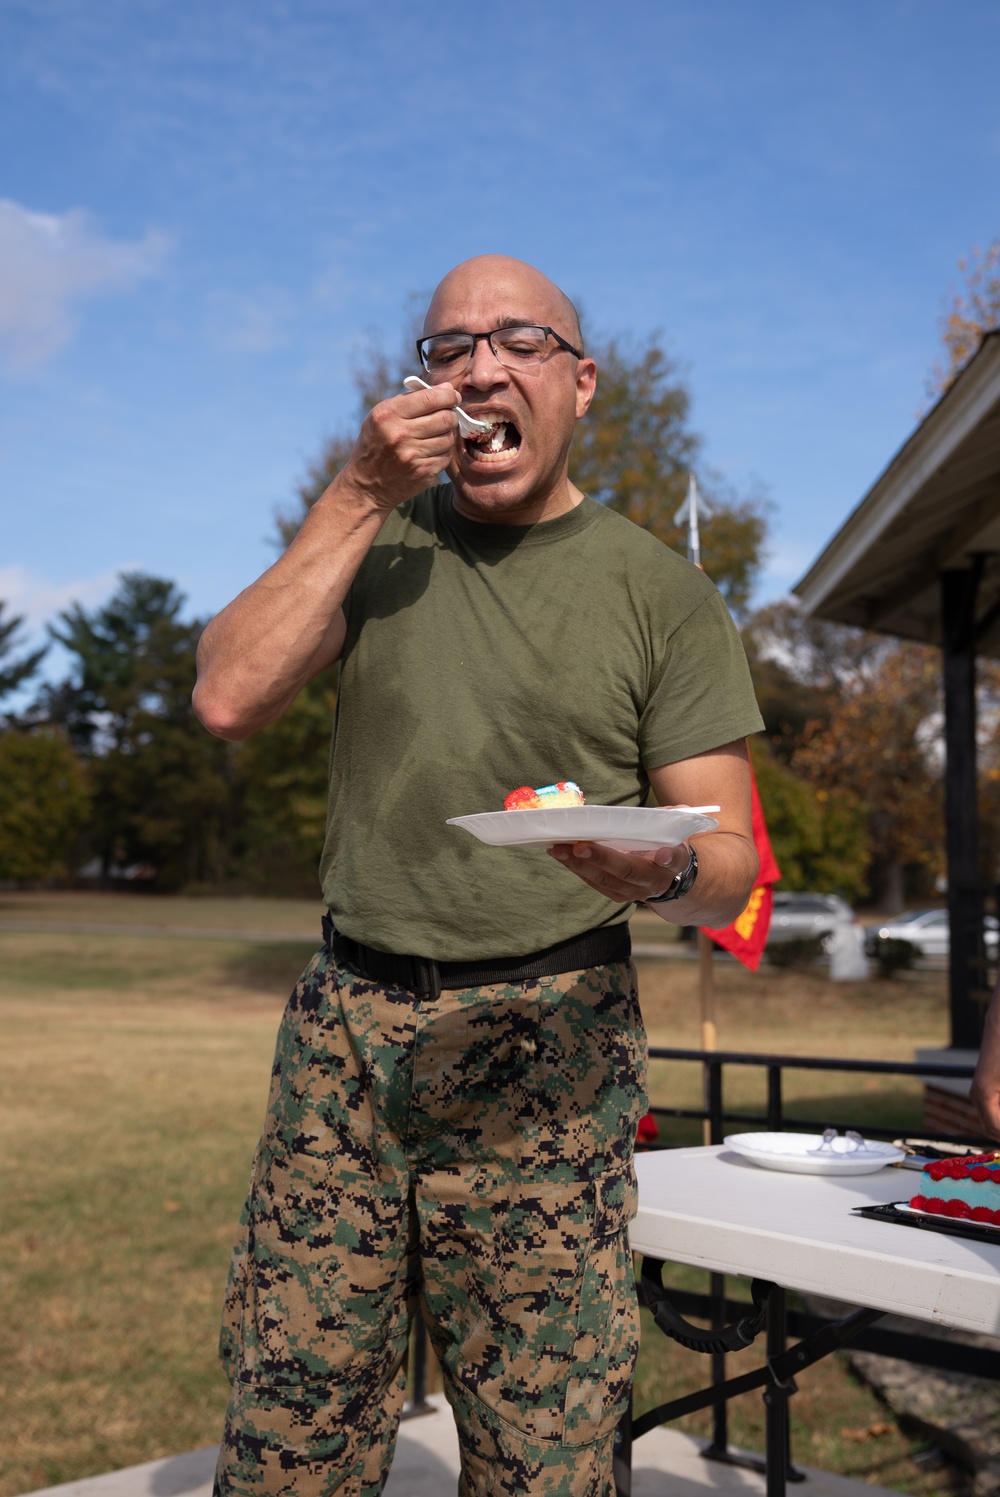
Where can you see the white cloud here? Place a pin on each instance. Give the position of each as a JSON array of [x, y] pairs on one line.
[[49, 262], [39, 600]]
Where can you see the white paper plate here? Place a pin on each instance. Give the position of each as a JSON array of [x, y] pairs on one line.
[[628, 828], [790, 1152]]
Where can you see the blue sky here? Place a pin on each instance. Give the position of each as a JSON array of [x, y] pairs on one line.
[[208, 208]]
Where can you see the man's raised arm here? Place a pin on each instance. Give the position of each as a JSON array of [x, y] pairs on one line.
[[727, 858], [258, 653]]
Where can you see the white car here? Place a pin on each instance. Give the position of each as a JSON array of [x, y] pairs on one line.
[[796, 917], [929, 931]]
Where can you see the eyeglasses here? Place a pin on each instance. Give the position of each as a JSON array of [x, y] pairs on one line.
[[514, 347]]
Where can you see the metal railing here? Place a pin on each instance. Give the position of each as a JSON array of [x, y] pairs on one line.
[[773, 1118]]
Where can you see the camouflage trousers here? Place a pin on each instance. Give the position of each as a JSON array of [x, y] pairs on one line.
[[471, 1155]]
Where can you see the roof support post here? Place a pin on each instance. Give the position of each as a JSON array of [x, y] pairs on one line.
[[967, 961]]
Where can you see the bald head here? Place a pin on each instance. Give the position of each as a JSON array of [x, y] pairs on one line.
[[529, 294]]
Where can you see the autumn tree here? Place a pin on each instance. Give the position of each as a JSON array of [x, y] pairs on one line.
[[819, 835], [973, 311], [879, 744], [872, 709], [800, 665], [633, 451]]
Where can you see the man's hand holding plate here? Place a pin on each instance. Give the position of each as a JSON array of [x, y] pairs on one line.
[[626, 877]]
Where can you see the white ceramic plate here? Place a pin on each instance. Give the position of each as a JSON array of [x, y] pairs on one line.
[[790, 1152], [628, 828]]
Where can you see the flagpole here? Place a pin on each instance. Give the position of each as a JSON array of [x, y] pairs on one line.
[[706, 1006], [758, 911], [706, 992], [687, 516]]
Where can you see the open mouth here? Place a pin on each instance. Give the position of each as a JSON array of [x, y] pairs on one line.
[[498, 442]]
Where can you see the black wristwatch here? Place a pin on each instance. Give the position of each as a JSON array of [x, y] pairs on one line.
[[680, 884]]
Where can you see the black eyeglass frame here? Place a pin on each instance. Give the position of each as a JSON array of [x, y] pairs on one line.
[[476, 338]]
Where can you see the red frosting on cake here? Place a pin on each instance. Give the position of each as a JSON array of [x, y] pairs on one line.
[[562, 793], [983, 1170], [976, 1167], [522, 799]]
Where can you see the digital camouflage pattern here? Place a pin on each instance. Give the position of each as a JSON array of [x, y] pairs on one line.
[[472, 1152]]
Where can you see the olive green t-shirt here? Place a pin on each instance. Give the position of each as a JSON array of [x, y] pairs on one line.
[[483, 657]]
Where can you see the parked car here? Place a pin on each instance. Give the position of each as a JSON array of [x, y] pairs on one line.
[[797, 917], [929, 931]]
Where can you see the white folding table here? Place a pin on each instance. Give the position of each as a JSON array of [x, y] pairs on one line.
[[713, 1209]]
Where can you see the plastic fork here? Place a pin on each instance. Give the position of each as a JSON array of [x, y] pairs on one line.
[[852, 1139], [467, 425]]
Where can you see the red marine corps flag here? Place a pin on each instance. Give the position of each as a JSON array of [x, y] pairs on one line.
[[747, 935]]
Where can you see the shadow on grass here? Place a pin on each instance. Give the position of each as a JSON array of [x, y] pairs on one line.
[[272, 968]]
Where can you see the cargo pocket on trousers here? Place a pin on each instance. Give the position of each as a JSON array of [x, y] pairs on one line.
[[607, 1340]]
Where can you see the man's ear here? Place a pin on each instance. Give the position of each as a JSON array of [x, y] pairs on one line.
[[586, 385]]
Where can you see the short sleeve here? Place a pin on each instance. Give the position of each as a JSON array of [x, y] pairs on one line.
[[701, 695]]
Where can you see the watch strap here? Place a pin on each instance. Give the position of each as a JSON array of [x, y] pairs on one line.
[[681, 883]]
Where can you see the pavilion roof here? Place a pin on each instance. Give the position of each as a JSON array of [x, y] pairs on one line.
[[936, 506]]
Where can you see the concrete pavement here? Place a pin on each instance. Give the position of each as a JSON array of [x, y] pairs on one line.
[[427, 1465]]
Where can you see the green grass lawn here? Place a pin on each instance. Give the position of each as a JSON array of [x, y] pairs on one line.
[[133, 1076]]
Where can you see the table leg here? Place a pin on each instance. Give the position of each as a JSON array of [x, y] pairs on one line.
[[776, 1376], [719, 1448], [418, 1405], [777, 1445]]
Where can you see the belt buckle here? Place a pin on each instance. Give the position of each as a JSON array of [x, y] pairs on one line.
[[428, 977]]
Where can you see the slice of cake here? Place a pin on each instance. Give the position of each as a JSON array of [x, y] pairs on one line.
[[968, 1188], [562, 793]]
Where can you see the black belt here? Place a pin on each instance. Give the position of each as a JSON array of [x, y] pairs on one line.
[[426, 978]]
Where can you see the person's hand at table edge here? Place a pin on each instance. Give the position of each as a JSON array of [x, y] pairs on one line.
[[985, 1090]]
